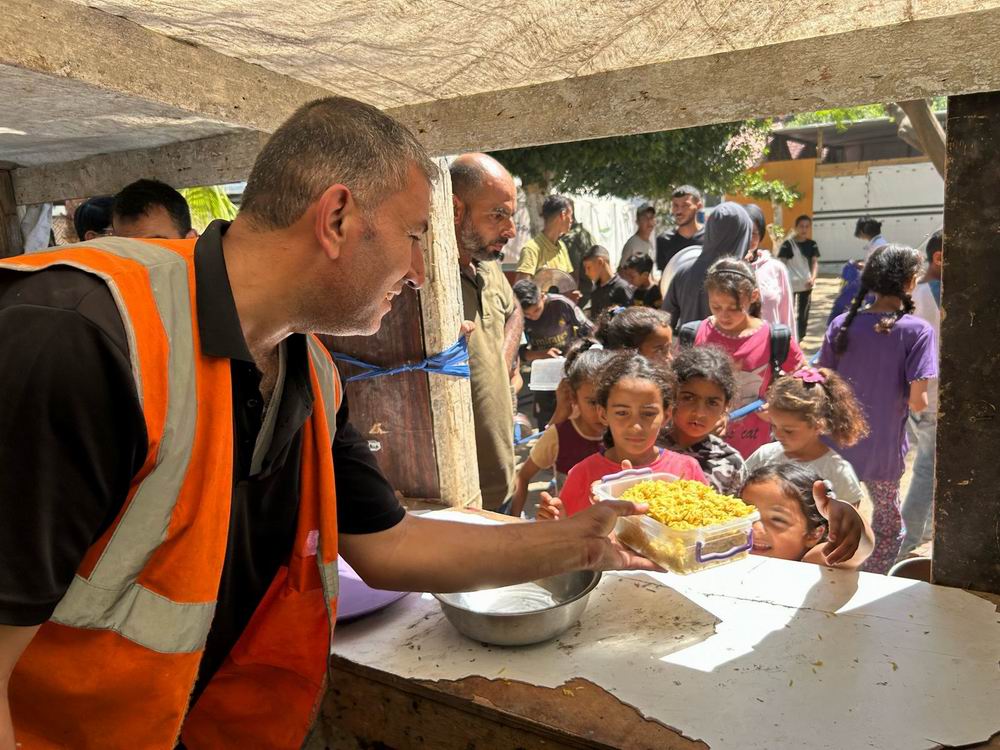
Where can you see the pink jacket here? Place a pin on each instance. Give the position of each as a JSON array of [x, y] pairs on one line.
[[776, 299]]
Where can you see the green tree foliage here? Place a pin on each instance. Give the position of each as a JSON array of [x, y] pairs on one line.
[[753, 185], [844, 116], [649, 165]]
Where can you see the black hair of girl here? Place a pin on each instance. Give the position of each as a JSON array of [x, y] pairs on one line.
[[628, 327], [630, 365], [887, 272], [832, 402], [708, 363], [584, 363], [735, 278], [796, 482]]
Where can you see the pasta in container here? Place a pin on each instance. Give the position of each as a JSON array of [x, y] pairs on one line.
[[689, 527]]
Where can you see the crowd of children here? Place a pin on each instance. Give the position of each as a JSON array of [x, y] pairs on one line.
[[733, 403]]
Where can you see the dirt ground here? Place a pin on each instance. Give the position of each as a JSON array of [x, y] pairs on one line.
[[824, 295]]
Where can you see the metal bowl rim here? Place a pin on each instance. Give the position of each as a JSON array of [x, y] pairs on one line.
[[584, 592]]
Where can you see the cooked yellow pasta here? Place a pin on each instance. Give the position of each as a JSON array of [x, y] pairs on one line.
[[686, 504]]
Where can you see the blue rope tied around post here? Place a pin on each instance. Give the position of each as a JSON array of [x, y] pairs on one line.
[[453, 361]]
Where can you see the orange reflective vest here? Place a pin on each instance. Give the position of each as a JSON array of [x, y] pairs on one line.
[[116, 664]]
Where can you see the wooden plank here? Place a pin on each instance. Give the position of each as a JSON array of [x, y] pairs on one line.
[[11, 241], [478, 713], [69, 40], [451, 398], [394, 412], [207, 161], [860, 168], [967, 499]]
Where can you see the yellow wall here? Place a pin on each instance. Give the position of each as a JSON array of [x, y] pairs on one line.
[[796, 173]]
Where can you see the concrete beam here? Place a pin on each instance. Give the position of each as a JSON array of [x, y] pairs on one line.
[[209, 161], [69, 40], [946, 55], [898, 61]]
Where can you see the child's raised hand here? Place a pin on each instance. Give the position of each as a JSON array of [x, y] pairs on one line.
[[550, 508], [849, 539]]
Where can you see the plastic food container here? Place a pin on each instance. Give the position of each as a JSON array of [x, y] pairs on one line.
[[546, 373], [680, 551]]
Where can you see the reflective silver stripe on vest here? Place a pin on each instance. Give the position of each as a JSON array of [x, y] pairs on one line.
[[329, 383], [141, 615], [111, 598]]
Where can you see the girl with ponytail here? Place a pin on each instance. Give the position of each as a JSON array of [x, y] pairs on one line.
[[887, 354]]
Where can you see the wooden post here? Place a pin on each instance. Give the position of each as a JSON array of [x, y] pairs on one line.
[[11, 242], [967, 499], [441, 311], [420, 425]]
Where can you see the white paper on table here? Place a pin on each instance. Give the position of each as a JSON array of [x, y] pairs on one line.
[[802, 656]]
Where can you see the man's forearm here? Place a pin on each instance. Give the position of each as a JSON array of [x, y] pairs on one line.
[[482, 556], [512, 331]]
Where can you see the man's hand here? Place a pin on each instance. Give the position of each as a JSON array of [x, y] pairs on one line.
[[849, 539], [466, 328], [576, 295], [595, 526]]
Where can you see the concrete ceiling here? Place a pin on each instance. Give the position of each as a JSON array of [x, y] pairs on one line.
[[399, 52]]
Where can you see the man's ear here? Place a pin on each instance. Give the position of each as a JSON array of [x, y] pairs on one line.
[[939, 258], [336, 210], [192, 234], [459, 209]]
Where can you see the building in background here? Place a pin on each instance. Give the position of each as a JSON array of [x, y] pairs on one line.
[[845, 174]]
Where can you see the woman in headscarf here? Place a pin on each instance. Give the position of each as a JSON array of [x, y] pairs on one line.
[[727, 234], [777, 303]]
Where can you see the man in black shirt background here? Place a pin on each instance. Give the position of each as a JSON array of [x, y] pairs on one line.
[[150, 209], [685, 203]]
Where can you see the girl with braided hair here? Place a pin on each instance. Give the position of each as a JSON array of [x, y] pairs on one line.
[[888, 355]]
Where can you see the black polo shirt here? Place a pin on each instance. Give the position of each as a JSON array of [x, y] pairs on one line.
[[615, 292], [72, 436], [672, 242]]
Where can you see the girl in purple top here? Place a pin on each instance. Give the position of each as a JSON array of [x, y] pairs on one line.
[[887, 354]]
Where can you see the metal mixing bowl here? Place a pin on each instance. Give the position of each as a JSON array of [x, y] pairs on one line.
[[522, 614]]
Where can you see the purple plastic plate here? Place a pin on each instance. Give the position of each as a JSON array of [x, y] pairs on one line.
[[356, 598]]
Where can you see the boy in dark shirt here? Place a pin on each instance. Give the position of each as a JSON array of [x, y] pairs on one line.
[[637, 271], [610, 289], [551, 324]]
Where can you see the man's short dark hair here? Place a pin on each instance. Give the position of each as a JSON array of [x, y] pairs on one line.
[[683, 190], [645, 210], [137, 199], [596, 251], [555, 204], [325, 142], [527, 293], [934, 245], [641, 263], [868, 226], [93, 215], [803, 217]]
